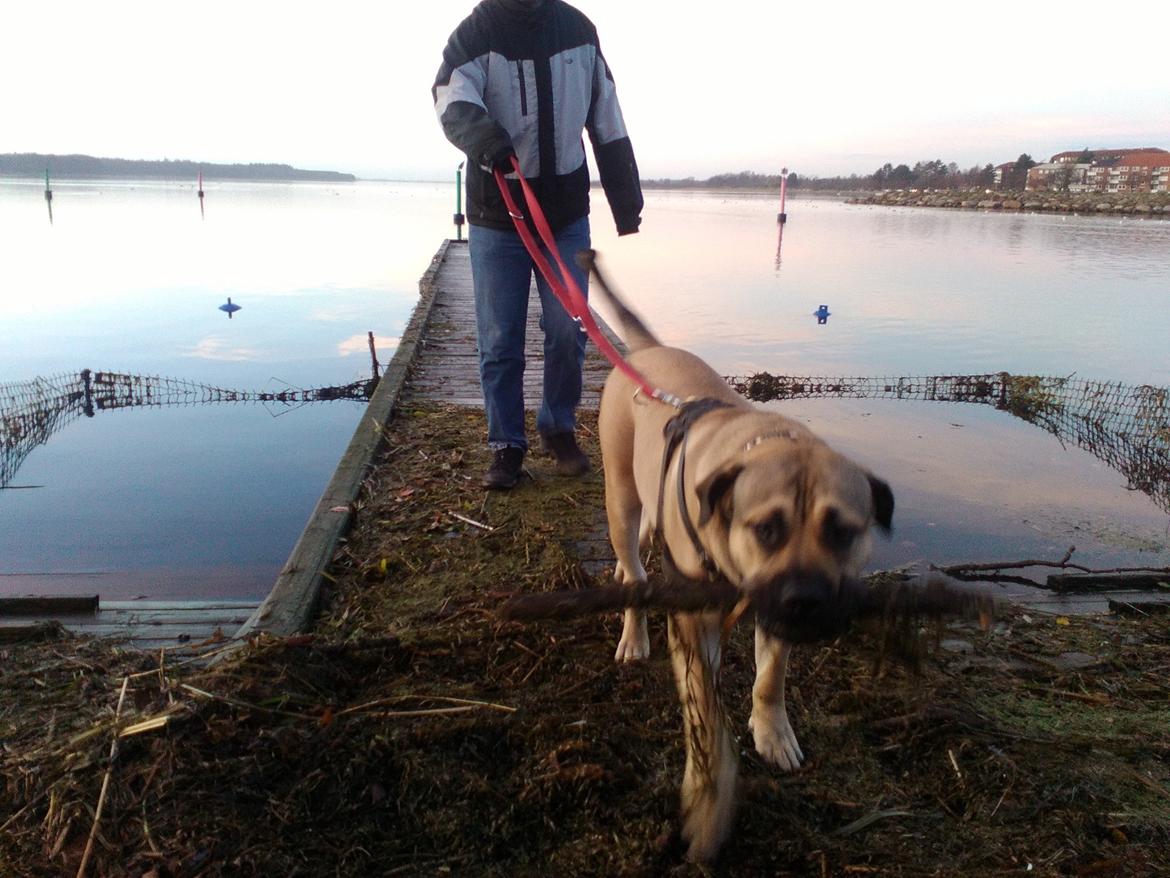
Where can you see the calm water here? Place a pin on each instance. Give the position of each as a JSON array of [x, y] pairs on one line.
[[209, 500]]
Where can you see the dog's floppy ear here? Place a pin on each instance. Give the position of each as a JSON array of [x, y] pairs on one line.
[[883, 502], [713, 488]]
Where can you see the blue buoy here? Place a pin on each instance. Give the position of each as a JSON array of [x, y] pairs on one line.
[[822, 313], [230, 308]]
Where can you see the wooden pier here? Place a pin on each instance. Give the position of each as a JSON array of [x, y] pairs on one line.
[[446, 365], [436, 361]]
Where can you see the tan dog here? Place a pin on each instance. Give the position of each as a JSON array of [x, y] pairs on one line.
[[781, 515]]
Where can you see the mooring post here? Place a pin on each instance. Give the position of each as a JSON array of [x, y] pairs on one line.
[[782, 217], [459, 202], [87, 381], [373, 356], [48, 196]]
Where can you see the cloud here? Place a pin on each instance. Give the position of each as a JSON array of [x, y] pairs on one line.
[[360, 344], [215, 348]]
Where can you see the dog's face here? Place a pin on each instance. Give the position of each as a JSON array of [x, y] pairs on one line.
[[793, 519]]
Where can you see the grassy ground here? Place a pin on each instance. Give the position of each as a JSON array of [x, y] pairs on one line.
[[416, 734]]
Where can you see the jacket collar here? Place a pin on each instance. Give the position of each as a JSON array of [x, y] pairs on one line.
[[516, 7]]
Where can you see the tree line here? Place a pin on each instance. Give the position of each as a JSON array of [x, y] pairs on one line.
[[31, 164], [934, 174]]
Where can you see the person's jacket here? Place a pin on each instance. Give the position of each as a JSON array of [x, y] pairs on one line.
[[530, 80]]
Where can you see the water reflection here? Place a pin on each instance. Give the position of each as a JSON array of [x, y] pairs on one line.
[[32, 411], [926, 291], [1125, 427]]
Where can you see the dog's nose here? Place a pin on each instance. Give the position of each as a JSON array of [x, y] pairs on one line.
[[804, 606], [804, 598]]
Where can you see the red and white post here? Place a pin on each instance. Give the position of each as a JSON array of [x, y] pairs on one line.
[[782, 217]]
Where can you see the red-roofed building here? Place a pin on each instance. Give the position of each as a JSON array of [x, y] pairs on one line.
[[1104, 170]]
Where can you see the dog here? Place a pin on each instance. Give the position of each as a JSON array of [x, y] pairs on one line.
[[760, 499]]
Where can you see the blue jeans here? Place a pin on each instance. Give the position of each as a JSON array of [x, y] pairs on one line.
[[501, 273]]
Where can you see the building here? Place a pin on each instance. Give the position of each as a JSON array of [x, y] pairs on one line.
[[1104, 170], [1060, 176]]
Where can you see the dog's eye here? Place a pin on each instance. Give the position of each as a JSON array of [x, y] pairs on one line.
[[836, 534], [771, 533]]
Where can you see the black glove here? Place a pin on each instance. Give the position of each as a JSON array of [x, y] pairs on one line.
[[498, 155]]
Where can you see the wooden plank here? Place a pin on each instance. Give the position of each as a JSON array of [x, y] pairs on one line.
[[47, 605], [1082, 582], [165, 618], [159, 633], [185, 606]]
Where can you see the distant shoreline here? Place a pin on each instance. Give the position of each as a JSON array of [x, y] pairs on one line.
[[1142, 203], [73, 167]]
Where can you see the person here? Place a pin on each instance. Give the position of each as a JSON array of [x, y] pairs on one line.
[[525, 78]]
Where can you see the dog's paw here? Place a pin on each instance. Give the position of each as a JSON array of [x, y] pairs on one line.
[[633, 649], [702, 838], [707, 817], [776, 742], [635, 642]]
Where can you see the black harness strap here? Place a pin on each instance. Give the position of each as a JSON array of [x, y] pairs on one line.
[[675, 432]]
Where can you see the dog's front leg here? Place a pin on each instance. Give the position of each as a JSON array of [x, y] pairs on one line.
[[635, 640], [772, 732], [709, 783]]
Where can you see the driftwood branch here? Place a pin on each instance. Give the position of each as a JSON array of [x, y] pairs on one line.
[[894, 603], [681, 597], [1084, 579]]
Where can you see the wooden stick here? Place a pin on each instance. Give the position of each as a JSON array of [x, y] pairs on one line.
[[433, 711], [1062, 564], [466, 702], [470, 521], [685, 596], [244, 705], [857, 600], [97, 814]]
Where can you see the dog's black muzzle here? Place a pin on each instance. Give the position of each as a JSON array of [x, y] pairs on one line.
[[805, 607]]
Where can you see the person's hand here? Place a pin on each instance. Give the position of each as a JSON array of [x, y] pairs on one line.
[[629, 227], [503, 158], [498, 157]]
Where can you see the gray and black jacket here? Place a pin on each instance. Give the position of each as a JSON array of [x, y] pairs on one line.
[[530, 80]]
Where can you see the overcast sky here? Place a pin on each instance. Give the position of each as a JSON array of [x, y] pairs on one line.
[[706, 88]]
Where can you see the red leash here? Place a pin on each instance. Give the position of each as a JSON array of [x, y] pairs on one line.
[[563, 286]]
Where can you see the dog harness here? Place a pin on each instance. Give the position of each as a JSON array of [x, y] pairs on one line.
[[675, 432]]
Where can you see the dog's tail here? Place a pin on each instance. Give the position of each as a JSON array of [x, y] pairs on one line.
[[634, 332]]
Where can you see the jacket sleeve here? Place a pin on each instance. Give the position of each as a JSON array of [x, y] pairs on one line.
[[614, 152], [458, 96]]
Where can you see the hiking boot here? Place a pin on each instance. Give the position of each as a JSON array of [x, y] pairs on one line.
[[571, 460], [504, 472]]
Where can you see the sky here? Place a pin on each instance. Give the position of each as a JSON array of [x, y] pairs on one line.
[[706, 88]]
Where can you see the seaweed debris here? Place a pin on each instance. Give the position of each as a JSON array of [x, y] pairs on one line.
[[415, 733]]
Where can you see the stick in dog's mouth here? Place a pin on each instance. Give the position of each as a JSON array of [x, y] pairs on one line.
[[896, 603]]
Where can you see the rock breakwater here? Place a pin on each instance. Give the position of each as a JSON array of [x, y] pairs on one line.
[[1138, 203]]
